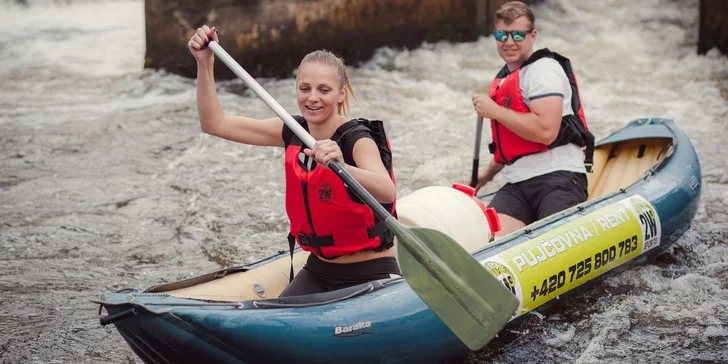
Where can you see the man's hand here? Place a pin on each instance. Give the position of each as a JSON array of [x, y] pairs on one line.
[[485, 106], [487, 174], [482, 180]]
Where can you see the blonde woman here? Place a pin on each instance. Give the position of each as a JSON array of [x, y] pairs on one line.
[[348, 244]]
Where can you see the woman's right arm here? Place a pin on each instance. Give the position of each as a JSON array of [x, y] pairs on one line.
[[213, 119]]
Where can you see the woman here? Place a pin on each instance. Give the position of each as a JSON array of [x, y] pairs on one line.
[[349, 245]]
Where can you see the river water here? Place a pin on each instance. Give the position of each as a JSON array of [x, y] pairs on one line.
[[106, 181]]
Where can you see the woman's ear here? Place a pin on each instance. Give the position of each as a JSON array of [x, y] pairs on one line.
[[342, 94]]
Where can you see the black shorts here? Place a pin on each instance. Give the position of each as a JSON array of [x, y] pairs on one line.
[[319, 276], [533, 199]]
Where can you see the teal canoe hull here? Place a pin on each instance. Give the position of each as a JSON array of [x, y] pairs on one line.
[[385, 321]]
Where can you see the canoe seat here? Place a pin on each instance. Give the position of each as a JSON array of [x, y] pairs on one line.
[[269, 280], [618, 165]]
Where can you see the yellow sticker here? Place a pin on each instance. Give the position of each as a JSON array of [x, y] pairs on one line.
[[571, 254]]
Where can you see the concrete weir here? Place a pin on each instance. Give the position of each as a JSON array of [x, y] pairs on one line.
[[713, 26], [270, 37]]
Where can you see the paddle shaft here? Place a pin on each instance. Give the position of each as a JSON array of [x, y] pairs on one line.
[[300, 132], [476, 156]]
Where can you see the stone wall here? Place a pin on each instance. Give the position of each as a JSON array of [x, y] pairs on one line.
[[270, 37]]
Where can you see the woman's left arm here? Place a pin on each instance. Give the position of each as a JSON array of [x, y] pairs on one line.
[[370, 171]]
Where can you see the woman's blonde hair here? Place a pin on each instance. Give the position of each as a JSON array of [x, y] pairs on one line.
[[513, 10], [328, 58]]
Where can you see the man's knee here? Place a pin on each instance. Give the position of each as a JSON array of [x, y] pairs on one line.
[[509, 224]]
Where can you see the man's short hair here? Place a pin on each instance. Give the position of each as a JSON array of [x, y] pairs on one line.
[[513, 10]]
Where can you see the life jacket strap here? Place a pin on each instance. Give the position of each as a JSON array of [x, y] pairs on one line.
[[291, 246], [319, 241], [589, 152]]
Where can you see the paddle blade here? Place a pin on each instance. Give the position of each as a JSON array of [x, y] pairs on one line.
[[462, 293]]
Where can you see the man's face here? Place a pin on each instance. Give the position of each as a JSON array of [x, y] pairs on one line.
[[512, 51]]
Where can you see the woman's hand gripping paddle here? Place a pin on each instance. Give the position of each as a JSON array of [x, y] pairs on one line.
[[458, 289]]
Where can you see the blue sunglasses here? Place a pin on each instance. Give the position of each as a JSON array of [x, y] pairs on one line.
[[517, 35]]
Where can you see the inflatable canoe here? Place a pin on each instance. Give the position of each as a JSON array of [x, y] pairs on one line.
[[643, 193]]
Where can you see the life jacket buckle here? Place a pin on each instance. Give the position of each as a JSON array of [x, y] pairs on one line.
[[303, 239]]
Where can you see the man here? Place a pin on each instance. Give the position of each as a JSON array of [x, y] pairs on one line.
[[537, 123]]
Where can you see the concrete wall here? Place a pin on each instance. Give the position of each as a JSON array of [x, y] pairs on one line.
[[270, 37], [713, 26]]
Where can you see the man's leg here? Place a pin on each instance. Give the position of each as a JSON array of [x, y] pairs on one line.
[[508, 225], [513, 209], [563, 190]]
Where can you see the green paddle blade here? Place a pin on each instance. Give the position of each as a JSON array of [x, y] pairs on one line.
[[458, 289]]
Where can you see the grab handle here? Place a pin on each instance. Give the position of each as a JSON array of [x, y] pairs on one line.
[[116, 317]]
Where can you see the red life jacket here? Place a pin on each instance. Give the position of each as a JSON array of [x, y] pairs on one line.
[[327, 219], [505, 90]]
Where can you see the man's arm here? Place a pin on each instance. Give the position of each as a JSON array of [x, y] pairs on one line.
[[544, 87], [541, 125], [487, 175]]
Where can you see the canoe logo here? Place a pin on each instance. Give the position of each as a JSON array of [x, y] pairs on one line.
[[358, 329], [648, 221], [325, 192], [503, 274], [693, 182]]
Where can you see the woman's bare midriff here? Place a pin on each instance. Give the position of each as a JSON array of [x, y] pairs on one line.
[[363, 256]]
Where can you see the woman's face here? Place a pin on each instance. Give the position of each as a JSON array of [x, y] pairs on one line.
[[318, 92]]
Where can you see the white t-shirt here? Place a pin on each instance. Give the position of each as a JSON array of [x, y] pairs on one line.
[[543, 78]]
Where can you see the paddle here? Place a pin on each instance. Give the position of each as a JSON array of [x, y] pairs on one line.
[[476, 157], [458, 289]]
